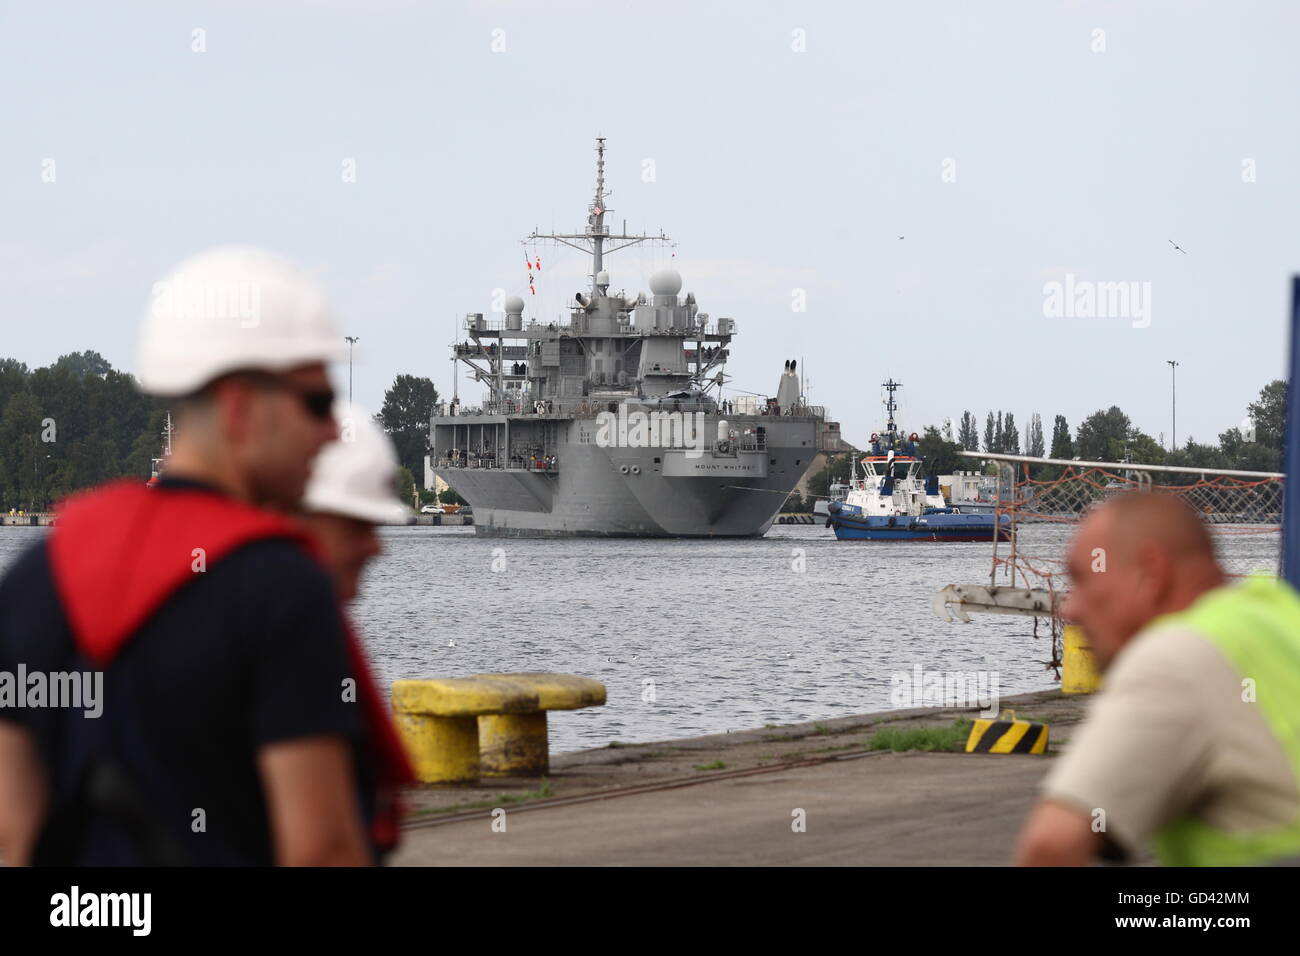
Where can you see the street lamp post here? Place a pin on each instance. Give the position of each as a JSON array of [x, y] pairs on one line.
[[1173, 382], [351, 340]]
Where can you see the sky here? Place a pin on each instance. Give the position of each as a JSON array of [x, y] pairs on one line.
[[874, 189]]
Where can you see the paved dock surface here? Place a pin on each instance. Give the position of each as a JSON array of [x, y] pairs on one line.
[[885, 809]]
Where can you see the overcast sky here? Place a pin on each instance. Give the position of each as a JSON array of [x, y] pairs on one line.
[[792, 145]]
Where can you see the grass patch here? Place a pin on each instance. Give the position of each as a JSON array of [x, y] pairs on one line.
[[950, 739], [541, 793], [821, 730], [716, 765]]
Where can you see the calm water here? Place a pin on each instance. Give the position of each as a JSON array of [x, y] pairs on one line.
[[730, 634]]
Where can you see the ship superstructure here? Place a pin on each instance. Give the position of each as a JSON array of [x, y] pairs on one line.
[[614, 422]]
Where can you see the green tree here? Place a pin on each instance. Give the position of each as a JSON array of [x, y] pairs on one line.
[[1102, 435], [968, 432], [941, 456], [837, 468], [83, 364], [13, 379], [408, 407], [1269, 415], [1062, 445], [1192, 455], [405, 485], [1010, 436], [990, 434], [1142, 448], [1034, 445], [1248, 455], [449, 497], [26, 466]]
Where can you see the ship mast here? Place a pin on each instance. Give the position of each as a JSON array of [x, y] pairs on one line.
[[592, 239], [891, 406]]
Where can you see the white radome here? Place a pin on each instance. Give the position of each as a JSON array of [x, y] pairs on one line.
[[666, 282]]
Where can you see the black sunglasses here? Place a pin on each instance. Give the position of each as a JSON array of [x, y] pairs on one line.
[[317, 402]]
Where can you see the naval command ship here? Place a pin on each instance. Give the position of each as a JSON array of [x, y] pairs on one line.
[[612, 424]]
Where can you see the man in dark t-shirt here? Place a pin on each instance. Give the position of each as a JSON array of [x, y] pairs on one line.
[[250, 654], [233, 719]]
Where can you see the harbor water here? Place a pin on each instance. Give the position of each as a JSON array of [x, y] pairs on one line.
[[696, 636]]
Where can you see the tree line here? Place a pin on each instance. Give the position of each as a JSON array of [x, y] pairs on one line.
[[1105, 435], [1110, 435], [70, 425], [79, 422]]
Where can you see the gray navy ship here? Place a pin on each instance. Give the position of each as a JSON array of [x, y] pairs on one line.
[[613, 424]]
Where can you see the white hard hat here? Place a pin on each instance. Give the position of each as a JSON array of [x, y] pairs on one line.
[[232, 308], [356, 476]]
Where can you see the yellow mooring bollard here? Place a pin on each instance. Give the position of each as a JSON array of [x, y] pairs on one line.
[[438, 722], [1007, 735], [1079, 674], [516, 744]]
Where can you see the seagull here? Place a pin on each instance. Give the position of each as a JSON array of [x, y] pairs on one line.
[[900, 237], [451, 643], [1178, 247]]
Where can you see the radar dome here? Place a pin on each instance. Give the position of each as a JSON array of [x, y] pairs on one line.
[[602, 277], [666, 282], [514, 305]]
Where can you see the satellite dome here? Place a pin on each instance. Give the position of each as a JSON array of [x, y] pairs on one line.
[[602, 277], [666, 282], [514, 305]]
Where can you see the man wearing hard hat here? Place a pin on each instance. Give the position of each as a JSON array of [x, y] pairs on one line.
[[353, 488], [237, 723]]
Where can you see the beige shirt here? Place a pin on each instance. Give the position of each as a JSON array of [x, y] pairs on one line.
[[1168, 734]]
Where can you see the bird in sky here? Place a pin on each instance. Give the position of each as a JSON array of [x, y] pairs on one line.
[[1178, 247]]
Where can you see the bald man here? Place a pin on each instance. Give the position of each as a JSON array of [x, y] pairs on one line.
[[1193, 745]]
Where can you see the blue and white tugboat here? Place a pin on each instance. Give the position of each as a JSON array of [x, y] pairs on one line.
[[889, 500]]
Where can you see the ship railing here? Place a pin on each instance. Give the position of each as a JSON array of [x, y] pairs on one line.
[[580, 322], [749, 443], [546, 464]]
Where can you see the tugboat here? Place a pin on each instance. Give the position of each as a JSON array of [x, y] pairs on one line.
[[889, 500]]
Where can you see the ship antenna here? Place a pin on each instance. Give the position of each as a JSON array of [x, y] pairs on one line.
[[592, 239], [891, 406], [597, 216]]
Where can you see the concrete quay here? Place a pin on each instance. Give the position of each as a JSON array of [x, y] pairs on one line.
[[734, 799]]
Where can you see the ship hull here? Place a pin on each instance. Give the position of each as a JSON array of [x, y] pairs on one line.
[[596, 491], [939, 527]]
